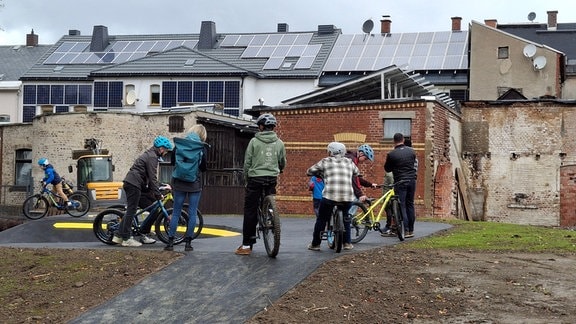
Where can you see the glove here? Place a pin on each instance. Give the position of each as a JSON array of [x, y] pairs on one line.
[[158, 196]]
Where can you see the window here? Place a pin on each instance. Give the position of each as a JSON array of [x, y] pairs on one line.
[[393, 126], [154, 94], [23, 168], [176, 124], [28, 114], [129, 95], [503, 52]]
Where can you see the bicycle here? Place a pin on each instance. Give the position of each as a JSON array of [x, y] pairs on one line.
[[334, 233], [269, 224], [108, 221], [36, 206], [368, 218]]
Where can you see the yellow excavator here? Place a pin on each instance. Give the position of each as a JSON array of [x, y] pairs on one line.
[[95, 174]]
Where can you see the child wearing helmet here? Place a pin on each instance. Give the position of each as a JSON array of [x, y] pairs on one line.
[[52, 177], [337, 172], [264, 159], [142, 175], [364, 152]]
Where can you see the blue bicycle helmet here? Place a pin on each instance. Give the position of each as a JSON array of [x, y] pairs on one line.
[[164, 142], [43, 162], [367, 151]]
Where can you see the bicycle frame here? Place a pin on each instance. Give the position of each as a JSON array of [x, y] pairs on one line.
[[374, 204], [52, 197]]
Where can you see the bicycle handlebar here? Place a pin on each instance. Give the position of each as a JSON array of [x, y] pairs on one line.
[[392, 184]]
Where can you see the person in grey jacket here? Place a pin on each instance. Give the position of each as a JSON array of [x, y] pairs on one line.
[[142, 174], [264, 159]]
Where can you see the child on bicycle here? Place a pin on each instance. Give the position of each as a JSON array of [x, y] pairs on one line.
[[142, 174], [52, 177], [264, 159], [337, 172]]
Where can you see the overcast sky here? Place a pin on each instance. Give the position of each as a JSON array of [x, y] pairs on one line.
[[51, 19]]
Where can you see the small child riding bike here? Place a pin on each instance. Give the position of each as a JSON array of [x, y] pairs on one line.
[[52, 177]]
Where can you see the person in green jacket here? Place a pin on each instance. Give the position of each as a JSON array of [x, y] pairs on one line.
[[264, 159]]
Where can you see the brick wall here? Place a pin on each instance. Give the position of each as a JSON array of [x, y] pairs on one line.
[[517, 166]]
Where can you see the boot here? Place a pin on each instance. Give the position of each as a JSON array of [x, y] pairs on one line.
[[188, 246], [170, 245]]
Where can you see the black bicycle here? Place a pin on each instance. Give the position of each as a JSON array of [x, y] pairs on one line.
[[108, 221], [269, 224], [36, 206], [334, 233]]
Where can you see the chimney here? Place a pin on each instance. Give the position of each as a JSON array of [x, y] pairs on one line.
[[73, 32], [100, 39], [31, 39], [282, 27], [456, 23], [385, 24], [491, 22], [207, 35], [552, 19]]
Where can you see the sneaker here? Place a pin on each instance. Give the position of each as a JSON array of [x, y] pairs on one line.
[[388, 233], [409, 234], [131, 242], [69, 204], [242, 251], [348, 246], [313, 247], [145, 239], [116, 239]]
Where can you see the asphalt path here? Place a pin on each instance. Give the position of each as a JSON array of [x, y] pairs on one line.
[[210, 284]]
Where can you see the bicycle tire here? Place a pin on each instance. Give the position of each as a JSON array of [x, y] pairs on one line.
[[338, 231], [330, 238], [270, 226], [358, 227], [84, 204], [106, 223], [398, 219], [162, 226], [35, 207]]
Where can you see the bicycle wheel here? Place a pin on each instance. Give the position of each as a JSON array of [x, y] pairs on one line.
[[106, 223], [338, 231], [359, 225], [271, 226], [162, 226], [330, 239], [80, 204], [398, 219], [35, 207]]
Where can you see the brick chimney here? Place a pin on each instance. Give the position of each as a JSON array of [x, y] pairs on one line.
[[552, 19], [31, 39], [385, 24], [456, 23], [491, 22], [282, 27]]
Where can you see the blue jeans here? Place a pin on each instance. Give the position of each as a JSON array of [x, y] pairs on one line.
[[406, 192], [193, 201]]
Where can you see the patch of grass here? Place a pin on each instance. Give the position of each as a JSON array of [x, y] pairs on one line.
[[490, 236]]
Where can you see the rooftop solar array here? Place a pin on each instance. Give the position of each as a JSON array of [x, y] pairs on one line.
[[276, 48], [117, 52], [415, 51]]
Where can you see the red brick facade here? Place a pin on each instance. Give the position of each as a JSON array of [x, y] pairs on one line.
[[306, 132]]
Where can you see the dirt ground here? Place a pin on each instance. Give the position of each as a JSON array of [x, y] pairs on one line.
[[385, 285]]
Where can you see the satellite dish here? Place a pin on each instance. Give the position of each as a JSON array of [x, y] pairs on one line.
[[368, 26], [539, 62], [532, 16], [529, 50], [131, 97]]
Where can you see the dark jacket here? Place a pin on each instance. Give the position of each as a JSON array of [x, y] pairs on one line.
[[143, 173], [357, 181], [400, 161]]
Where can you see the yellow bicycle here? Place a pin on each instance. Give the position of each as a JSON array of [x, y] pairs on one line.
[[369, 214]]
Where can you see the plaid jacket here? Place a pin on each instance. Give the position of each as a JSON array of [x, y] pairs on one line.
[[337, 172]]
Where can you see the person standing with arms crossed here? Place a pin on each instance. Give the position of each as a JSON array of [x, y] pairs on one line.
[[264, 159], [401, 162], [189, 158], [142, 174]]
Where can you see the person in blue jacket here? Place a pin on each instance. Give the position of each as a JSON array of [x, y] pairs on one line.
[[52, 177], [316, 185], [189, 158]]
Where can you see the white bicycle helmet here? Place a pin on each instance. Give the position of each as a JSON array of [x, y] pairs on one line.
[[336, 148]]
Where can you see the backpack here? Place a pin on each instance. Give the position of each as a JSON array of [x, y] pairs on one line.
[[188, 153]]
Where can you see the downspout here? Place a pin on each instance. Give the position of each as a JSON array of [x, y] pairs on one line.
[[1, 161]]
